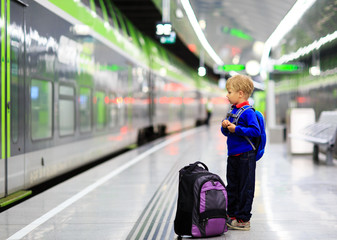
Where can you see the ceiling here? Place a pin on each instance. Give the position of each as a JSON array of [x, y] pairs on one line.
[[251, 20], [233, 27], [144, 14]]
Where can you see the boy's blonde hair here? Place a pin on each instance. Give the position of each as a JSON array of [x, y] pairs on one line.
[[241, 83]]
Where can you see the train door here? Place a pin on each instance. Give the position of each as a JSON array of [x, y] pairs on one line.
[[12, 96]]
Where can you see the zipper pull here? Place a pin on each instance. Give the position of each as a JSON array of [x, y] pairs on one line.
[[204, 222]]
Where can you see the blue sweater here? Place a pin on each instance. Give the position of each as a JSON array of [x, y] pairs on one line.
[[247, 126]]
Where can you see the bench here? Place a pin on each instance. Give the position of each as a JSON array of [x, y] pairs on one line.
[[322, 133]]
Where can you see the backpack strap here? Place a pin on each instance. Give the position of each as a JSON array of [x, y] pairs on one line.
[[250, 142], [238, 114], [236, 117], [191, 167]]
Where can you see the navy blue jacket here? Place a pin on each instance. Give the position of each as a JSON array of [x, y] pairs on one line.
[[247, 126]]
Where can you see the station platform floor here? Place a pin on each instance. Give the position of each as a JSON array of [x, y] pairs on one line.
[[133, 196]]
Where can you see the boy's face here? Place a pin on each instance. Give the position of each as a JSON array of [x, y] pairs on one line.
[[234, 97]]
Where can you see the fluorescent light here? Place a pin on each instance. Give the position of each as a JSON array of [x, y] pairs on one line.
[[309, 48], [290, 20], [287, 23], [315, 71], [196, 27], [201, 71], [179, 13], [202, 24], [253, 67]]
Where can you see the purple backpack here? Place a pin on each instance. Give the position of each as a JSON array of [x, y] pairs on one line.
[[202, 203]]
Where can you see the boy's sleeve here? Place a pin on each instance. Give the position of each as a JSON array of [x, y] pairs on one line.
[[224, 131], [251, 128]]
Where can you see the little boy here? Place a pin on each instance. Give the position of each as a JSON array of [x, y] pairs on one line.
[[241, 161]]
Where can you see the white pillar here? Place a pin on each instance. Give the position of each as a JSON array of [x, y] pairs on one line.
[[271, 107]]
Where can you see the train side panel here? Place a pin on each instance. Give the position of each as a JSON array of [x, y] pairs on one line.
[[77, 92], [80, 97]]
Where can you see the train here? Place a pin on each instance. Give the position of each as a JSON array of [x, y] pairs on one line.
[[80, 82], [305, 75]]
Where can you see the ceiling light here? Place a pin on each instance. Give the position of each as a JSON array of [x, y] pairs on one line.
[[315, 71], [80, 29], [179, 13], [107, 25], [194, 22], [236, 59], [317, 44], [288, 22], [202, 24], [201, 71], [93, 14], [253, 67], [258, 48], [162, 72]]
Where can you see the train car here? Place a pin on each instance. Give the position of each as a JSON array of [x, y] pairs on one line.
[[79, 82], [306, 63]]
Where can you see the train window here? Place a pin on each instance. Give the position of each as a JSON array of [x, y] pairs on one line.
[[99, 10], [100, 110], [112, 108], [66, 110], [67, 91], [118, 21], [110, 19], [86, 3], [41, 109], [138, 38], [111, 14], [121, 20], [127, 28], [85, 109], [104, 12]]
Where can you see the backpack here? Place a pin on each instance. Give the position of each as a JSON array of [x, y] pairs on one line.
[[202, 202], [258, 143]]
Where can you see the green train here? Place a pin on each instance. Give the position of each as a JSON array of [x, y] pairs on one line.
[[78, 82]]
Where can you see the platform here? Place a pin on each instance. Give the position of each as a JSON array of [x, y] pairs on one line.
[[133, 196]]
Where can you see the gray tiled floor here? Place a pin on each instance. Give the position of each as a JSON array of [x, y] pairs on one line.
[[294, 199]]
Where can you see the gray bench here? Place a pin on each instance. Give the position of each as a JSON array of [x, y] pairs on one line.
[[322, 133]]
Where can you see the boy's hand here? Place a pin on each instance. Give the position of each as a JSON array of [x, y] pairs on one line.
[[230, 126], [225, 123]]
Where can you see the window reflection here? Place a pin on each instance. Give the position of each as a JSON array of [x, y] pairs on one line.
[[41, 109]]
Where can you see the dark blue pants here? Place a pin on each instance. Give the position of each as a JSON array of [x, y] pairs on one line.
[[241, 185]]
